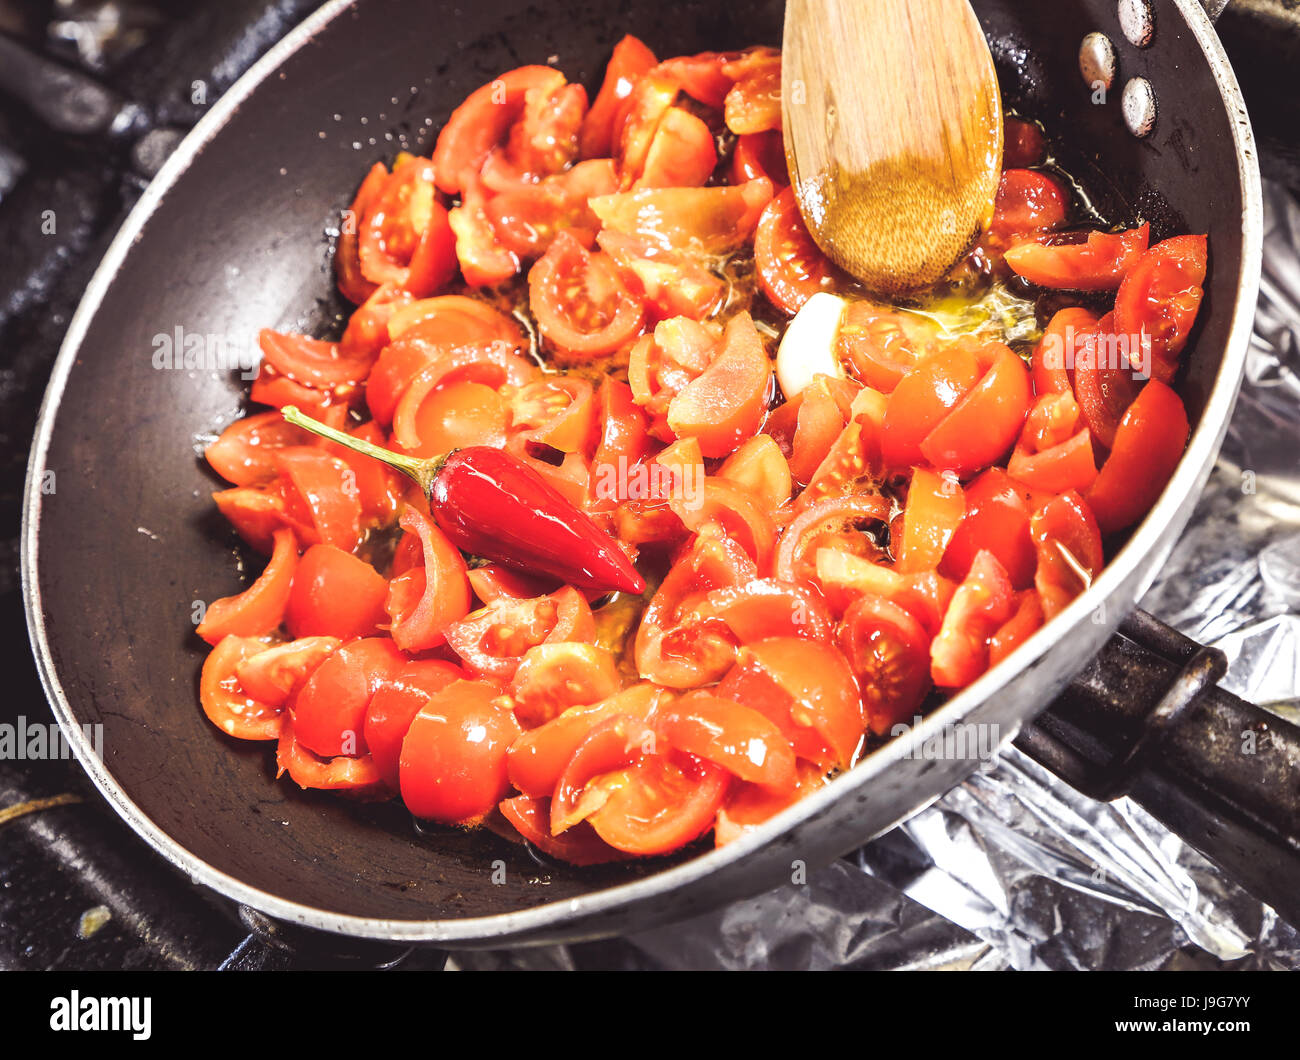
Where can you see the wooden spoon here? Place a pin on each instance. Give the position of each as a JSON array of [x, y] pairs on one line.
[[893, 134]]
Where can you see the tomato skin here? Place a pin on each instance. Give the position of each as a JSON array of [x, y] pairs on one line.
[[984, 424], [452, 767], [538, 758], [482, 121], [335, 594], [308, 770], [724, 404], [997, 520], [578, 845], [1027, 620], [321, 502], [1065, 523], [888, 651], [808, 689], [425, 600], [921, 401], [631, 60], [329, 711], [451, 417], [740, 739], [1148, 446], [791, 267], [1105, 380], [982, 604], [1100, 264], [681, 155], [753, 104], [396, 702], [259, 608], [227, 705], [243, 454], [758, 466], [1159, 299]]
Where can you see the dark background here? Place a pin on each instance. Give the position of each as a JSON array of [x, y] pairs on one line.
[[93, 97]]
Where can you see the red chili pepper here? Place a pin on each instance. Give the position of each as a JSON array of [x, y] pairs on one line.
[[494, 505]]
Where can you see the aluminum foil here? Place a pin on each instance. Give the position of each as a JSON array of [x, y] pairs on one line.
[[1015, 869]]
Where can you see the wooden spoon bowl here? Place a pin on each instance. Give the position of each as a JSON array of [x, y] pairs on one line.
[[893, 134]]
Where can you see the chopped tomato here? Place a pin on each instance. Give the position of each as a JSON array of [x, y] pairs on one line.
[[244, 453], [681, 155], [888, 651], [983, 425], [423, 601], [760, 155], [320, 498], [483, 121], [581, 304], [724, 404], [631, 60], [1027, 621], [808, 689], [396, 702], [996, 520], [1068, 543], [1099, 264], [791, 268], [982, 604], [452, 767], [492, 640], [308, 770], [226, 703], [553, 677], [1056, 354], [935, 506], [753, 105], [1022, 143], [578, 845], [260, 607], [1157, 302], [1148, 445], [329, 711], [335, 594], [740, 739], [923, 399], [1028, 202], [709, 221], [832, 521]]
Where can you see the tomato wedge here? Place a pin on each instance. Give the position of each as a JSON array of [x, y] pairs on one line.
[[396, 702], [982, 604], [452, 767], [423, 601], [1100, 264], [259, 608], [1068, 543], [983, 425], [724, 404], [631, 59], [1159, 298], [581, 303], [329, 711], [225, 702], [1148, 445], [888, 651], [740, 739], [791, 267], [335, 594]]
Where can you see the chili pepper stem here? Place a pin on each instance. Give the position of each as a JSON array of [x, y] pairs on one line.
[[421, 471]]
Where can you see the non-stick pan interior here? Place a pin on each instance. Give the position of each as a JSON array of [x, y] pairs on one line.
[[129, 539]]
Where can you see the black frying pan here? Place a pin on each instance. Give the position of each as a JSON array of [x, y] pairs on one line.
[[231, 237]]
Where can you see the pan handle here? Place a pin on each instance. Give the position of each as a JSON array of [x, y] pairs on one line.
[[1147, 719]]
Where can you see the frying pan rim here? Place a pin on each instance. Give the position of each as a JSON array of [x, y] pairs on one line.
[[1138, 552]]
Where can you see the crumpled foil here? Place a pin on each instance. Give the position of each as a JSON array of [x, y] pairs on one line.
[[1014, 868]]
